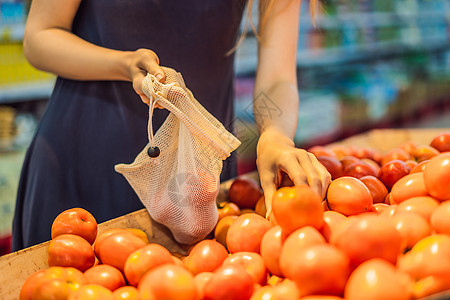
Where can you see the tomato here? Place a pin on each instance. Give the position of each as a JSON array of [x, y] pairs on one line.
[[245, 192], [423, 205], [69, 250], [409, 186], [369, 236], [115, 248], [221, 230], [92, 292], [349, 196], [437, 176], [377, 279], [440, 218], [287, 289], [139, 233], [299, 239], [332, 164], [252, 262], [144, 259], [226, 208], [200, 282], [76, 221], [26, 292], [246, 232], [55, 288], [319, 269], [395, 154], [104, 235], [205, 256], [392, 171], [330, 221], [379, 207], [424, 152], [270, 249], [321, 151], [430, 285], [359, 169], [229, 282], [429, 257], [376, 188], [105, 275], [441, 142], [420, 167], [348, 160], [126, 293], [260, 207], [411, 226], [168, 282], [295, 207]]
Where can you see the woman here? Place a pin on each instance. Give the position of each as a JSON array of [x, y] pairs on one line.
[[95, 120]]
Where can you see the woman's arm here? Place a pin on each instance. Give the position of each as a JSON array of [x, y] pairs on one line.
[[276, 105], [50, 45]]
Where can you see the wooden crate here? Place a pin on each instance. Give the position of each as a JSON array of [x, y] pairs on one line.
[[16, 267]]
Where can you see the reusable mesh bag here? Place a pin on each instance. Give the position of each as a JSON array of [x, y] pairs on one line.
[[180, 186]]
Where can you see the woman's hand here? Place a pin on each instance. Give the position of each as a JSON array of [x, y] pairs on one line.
[[276, 153], [141, 62]]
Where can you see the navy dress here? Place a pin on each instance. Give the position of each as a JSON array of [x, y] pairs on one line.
[[90, 126]]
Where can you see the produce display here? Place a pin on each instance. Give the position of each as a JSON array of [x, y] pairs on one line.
[[383, 232]]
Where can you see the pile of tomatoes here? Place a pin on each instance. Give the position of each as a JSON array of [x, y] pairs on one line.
[[383, 232]]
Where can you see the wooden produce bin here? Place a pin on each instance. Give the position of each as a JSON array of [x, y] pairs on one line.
[[16, 267]]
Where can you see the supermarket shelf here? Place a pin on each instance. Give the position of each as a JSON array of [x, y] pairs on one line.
[[26, 91], [247, 59]]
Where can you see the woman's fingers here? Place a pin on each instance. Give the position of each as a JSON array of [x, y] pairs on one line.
[[267, 179], [149, 61]]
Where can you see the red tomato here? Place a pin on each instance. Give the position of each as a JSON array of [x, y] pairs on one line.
[[245, 192], [169, 282], [369, 236], [332, 164], [143, 260], [349, 196], [376, 188], [412, 185], [377, 279], [295, 207], [395, 154], [420, 167], [76, 221], [348, 160], [359, 169], [92, 292], [205, 256], [392, 171], [115, 248], [105, 275], [246, 232], [441, 142], [270, 249], [229, 282], [319, 269], [69, 250], [437, 176], [321, 151]]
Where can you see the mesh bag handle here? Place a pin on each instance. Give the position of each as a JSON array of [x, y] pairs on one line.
[[194, 116]]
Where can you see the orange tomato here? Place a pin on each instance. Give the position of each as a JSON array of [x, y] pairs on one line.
[[169, 282], [411, 185], [441, 142], [126, 293], [260, 207], [252, 262], [412, 228], [424, 152], [369, 236], [319, 269], [423, 206], [420, 167], [295, 207], [437, 176], [76, 221], [377, 279], [271, 248], [349, 196], [26, 292], [139, 233], [143, 260], [287, 289], [246, 232], [105, 275], [69, 250], [440, 218], [330, 221], [430, 285], [221, 230], [379, 208], [200, 282], [229, 282], [205, 256], [226, 208], [92, 292]]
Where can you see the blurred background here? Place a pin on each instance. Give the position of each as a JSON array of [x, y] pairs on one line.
[[366, 64]]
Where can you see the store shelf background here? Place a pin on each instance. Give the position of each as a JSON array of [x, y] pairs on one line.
[[366, 64]]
